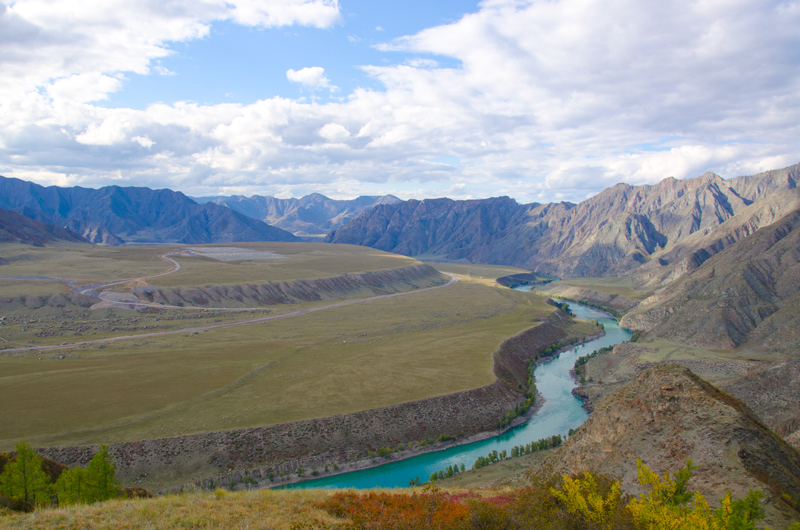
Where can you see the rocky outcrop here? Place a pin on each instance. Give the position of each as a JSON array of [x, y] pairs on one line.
[[371, 283], [668, 415], [749, 291]]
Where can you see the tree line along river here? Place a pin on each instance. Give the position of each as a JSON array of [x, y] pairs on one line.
[[560, 413]]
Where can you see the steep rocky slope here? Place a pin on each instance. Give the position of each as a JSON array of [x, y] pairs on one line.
[[749, 291], [16, 228], [113, 214], [772, 390], [311, 216], [667, 415], [619, 231]]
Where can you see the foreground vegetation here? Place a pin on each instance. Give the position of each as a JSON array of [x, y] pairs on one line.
[[553, 502]]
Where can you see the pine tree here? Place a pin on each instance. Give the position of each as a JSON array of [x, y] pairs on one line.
[[71, 487], [101, 477], [24, 478]]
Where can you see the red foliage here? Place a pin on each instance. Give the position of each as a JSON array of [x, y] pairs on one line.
[[433, 510]]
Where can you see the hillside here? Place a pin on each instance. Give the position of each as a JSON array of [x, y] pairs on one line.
[[311, 216], [667, 415], [16, 228], [622, 230], [748, 291], [113, 215]]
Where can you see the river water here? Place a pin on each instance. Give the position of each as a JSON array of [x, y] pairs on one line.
[[560, 413]]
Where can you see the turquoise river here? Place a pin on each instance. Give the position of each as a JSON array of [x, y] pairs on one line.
[[560, 413]]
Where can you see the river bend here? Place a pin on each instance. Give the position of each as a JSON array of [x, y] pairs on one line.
[[560, 413]]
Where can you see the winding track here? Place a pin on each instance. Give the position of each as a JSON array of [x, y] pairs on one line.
[[453, 280]]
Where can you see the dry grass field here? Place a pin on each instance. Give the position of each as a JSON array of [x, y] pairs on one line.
[[89, 264], [267, 509], [303, 261], [619, 286], [350, 358], [84, 263]]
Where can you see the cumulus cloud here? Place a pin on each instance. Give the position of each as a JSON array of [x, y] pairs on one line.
[[549, 100], [311, 77], [144, 141]]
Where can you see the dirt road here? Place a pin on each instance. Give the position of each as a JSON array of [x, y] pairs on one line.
[[453, 280]]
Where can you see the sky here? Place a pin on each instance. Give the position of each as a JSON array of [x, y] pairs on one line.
[[540, 100]]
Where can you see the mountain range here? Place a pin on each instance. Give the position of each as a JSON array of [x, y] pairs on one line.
[[623, 230], [116, 215], [312, 216]]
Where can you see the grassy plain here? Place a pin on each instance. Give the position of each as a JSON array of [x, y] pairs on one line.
[[90, 264], [84, 263], [329, 362], [303, 261], [478, 272], [619, 286]]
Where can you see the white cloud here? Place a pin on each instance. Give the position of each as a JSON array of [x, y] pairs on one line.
[[549, 99], [311, 77], [144, 141], [333, 132]]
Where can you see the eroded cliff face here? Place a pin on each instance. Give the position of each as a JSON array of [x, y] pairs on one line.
[[371, 283], [512, 358], [226, 456], [667, 415], [749, 291]]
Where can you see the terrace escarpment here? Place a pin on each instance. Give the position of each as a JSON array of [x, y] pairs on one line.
[[372, 283], [282, 449]]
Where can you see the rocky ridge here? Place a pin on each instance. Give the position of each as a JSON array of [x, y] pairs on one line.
[[668, 415], [622, 230]]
